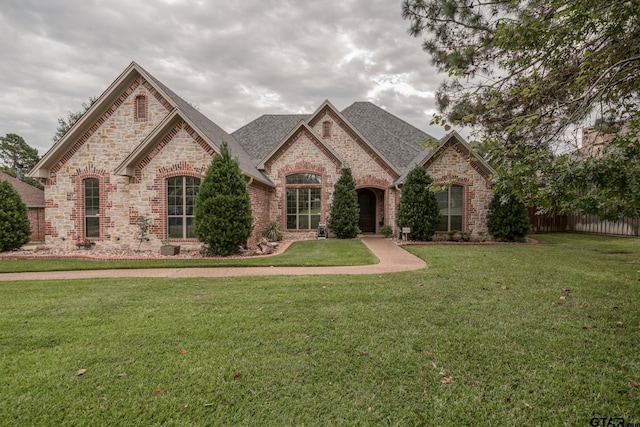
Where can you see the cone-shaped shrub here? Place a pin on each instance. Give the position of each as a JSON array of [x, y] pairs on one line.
[[223, 220], [507, 219], [418, 207], [345, 212], [15, 229]]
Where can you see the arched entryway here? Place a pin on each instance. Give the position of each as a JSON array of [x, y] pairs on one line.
[[367, 204]]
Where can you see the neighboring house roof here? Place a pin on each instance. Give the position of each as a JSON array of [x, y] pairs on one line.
[[212, 133], [429, 153], [31, 196]]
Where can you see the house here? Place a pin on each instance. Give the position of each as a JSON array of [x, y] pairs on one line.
[[140, 151], [34, 199]]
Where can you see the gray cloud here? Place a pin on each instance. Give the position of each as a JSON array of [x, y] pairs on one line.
[[233, 59]]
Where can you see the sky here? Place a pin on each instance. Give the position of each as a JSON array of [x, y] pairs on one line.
[[233, 59]]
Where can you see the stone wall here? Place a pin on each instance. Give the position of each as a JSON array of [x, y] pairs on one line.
[[95, 155], [326, 156], [452, 166]]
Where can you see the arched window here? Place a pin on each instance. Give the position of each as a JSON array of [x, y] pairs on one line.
[[91, 207], [304, 202], [141, 111], [450, 204], [181, 201]]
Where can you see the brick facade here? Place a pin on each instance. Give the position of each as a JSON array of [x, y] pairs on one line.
[[452, 166], [322, 145], [306, 152]]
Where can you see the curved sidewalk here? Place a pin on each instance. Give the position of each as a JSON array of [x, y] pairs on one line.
[[392, 259]]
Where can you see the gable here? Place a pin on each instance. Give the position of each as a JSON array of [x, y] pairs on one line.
[[300, 143], [135, 142], [453, 145], [265, 137], [120, 93], [399, 141]]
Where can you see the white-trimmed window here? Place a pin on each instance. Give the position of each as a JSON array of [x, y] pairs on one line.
[[451, 207], [304, 201], [181, 200], [91, 207]]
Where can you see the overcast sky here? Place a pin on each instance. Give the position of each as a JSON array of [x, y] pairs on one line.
[[233, 59]]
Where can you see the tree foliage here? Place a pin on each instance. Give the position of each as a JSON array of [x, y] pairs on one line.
[[66, 123], [15, 151], [418, 207], [15, 229], [345, 212], [222, 218], [529, 75], [508, 219]]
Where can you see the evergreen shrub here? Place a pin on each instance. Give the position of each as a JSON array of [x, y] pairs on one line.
[[223, 220], [345, 212], [418, 207], [15, 228], [507, 220]]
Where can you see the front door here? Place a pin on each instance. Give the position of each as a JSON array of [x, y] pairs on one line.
[[367, 203]]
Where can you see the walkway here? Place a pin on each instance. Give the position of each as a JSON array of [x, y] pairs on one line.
[[392, 259]]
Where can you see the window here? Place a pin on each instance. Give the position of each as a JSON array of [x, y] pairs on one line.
[[304, 203], [181, 200], [91, 207], [326, 129], [450, 204], [141, 108]]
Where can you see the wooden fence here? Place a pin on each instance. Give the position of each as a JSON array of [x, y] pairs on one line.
[[546, 223]]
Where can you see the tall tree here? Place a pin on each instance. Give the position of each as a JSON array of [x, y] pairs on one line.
[[418, 207], [15, 229], [529, 74], [223, 220], [345, 212], [66, 123], [14, 152]]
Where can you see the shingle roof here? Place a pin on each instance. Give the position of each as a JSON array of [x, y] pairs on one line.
[[262, 135], [211, 130], [396, 139], [31, 196]]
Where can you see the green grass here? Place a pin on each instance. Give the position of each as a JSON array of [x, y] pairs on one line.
[[306, 253], [488, 335]]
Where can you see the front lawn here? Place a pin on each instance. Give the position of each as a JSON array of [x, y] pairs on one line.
[[542, 334], [299, 254]]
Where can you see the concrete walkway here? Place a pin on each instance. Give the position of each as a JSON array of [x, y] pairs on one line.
[[392, 259]]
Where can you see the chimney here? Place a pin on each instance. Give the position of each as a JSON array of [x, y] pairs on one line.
[[19, 167]]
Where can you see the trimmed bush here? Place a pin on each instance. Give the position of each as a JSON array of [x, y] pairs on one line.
[[507, 219], [418, 207], [15, 229], [345, 212], [223, 220]]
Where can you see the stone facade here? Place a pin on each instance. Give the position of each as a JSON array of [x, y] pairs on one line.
[[452, 166], [138, 135], [95, 155]]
